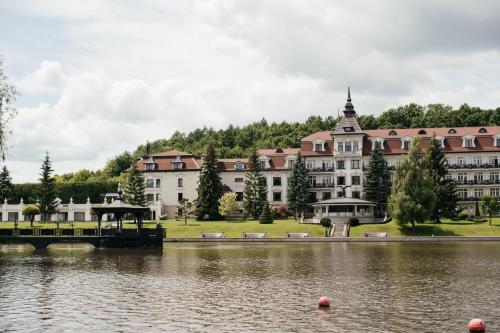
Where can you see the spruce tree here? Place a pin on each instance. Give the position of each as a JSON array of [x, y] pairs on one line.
[[445, 189], [377, 187], [135, 187], [5, 184], [255, 191], [266, 216], [298, 187], [47, 190], [412, 199], [209, 186]]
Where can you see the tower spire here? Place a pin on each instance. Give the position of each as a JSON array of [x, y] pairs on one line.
[[348, 94]]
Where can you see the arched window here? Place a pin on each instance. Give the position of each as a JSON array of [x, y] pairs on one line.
[[483, 130], [422, 132], [239, 166], [393, 132], [452, 131]]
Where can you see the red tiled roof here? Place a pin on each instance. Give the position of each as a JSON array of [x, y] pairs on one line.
[[323, 135], [440, 131], [278, 151], [171, 153]]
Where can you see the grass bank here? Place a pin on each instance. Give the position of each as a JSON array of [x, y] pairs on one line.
[[445, 228], [193, 229]]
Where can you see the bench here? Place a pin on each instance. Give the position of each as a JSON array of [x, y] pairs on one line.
[[377, 234], [212, 235], [298, 234], [254, 235]]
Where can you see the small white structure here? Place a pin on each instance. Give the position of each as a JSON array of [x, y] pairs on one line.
[[344, 208]]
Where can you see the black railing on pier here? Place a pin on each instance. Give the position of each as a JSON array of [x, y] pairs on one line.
[[80, 232]]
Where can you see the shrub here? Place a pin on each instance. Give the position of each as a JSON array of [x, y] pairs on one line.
[[283, 211], [266, 216], [353, 221], [163, 217], [325, 222], [30, 211], [463, 215]]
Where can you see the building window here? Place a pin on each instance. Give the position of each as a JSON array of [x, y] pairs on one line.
[[494, 176], [180, 182], [377, 144], [325, 165], [497, 142], [340, 194], [340, 180], [313, 197], [312, 180], [179, 196], [277, 196], [177, 165], [495, 192], [150, 167], [355, 164], [356, 180], [348, 146], [276, 181], [157, 196], [239, 196], [468, 142], [462, 176], [291, 163], [238, 180], [478, 177], [477, 160], [239, 166], [310, 164], [356, 194], [463, 193], [478, 192], [461, 160], [406, 145], [318, 147], [494, 161], [340, 147], [355, 146], [158, 183], [150, 197], [340, 165], [326, 195], [263, 165], [150, 183]]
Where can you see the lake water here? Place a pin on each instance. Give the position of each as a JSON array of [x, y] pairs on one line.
[[241, 287]]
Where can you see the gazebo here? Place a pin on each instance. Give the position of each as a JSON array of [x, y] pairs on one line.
[[119, 208], [344, 208]]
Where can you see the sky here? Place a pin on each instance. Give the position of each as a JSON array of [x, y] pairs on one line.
[[97, 78]]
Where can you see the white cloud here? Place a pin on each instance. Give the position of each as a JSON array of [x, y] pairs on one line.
[[124, 72]]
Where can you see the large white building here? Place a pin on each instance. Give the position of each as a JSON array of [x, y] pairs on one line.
[[335, 160]]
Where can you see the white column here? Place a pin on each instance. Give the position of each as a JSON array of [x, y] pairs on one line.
[[5, 213], [71, 210]]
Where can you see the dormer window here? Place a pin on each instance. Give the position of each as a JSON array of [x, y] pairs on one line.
[[422, 132], [393, 133], [377, 143], [263, 165], [483, 130], [440, 139], [496, 140], [150, 164], [349, 129], [452, 131], [239, 166], [264, 162], [177, 164], [468, 141], [405, 143], [319, 145]]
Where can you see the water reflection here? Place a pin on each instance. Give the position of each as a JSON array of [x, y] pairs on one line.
[[395, 287]]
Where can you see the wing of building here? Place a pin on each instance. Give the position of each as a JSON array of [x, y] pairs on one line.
[[335, 160]]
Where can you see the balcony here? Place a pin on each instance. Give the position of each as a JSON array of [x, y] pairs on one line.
[[321, 169], [477, 182], [474, 166], [322, 185]]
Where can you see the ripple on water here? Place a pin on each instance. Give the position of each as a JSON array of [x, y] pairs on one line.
[[250, 287]]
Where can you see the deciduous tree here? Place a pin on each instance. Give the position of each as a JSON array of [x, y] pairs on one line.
[[490, 205], [227, 204], [8, 95]]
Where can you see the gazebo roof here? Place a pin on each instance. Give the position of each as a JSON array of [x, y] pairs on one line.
[[119, 206], [343, 202]]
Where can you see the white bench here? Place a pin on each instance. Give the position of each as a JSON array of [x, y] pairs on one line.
[[254, 235], [212, 235], [377, 234], [298, 234]]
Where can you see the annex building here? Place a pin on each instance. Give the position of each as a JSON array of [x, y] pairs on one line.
[[336, 160]]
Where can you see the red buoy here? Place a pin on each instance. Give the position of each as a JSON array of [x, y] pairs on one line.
[[476, 325], [324, 302]]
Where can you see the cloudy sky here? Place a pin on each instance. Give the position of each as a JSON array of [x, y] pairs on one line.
[[100, 77]]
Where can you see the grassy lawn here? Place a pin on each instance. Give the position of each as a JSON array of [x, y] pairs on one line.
[[177, 229], [68, 225], [445, 228]]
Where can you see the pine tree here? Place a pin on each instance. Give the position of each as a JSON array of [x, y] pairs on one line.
[[209, 186], [298, 186], [5, 184], [377, 187], [135, 187], [445, 189], [255, 191], [47, 190], [266, 216], [412, 199]]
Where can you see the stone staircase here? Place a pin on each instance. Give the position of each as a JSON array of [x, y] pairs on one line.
[[338, 230]]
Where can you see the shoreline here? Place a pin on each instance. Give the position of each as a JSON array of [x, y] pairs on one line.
[[435, 239]]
